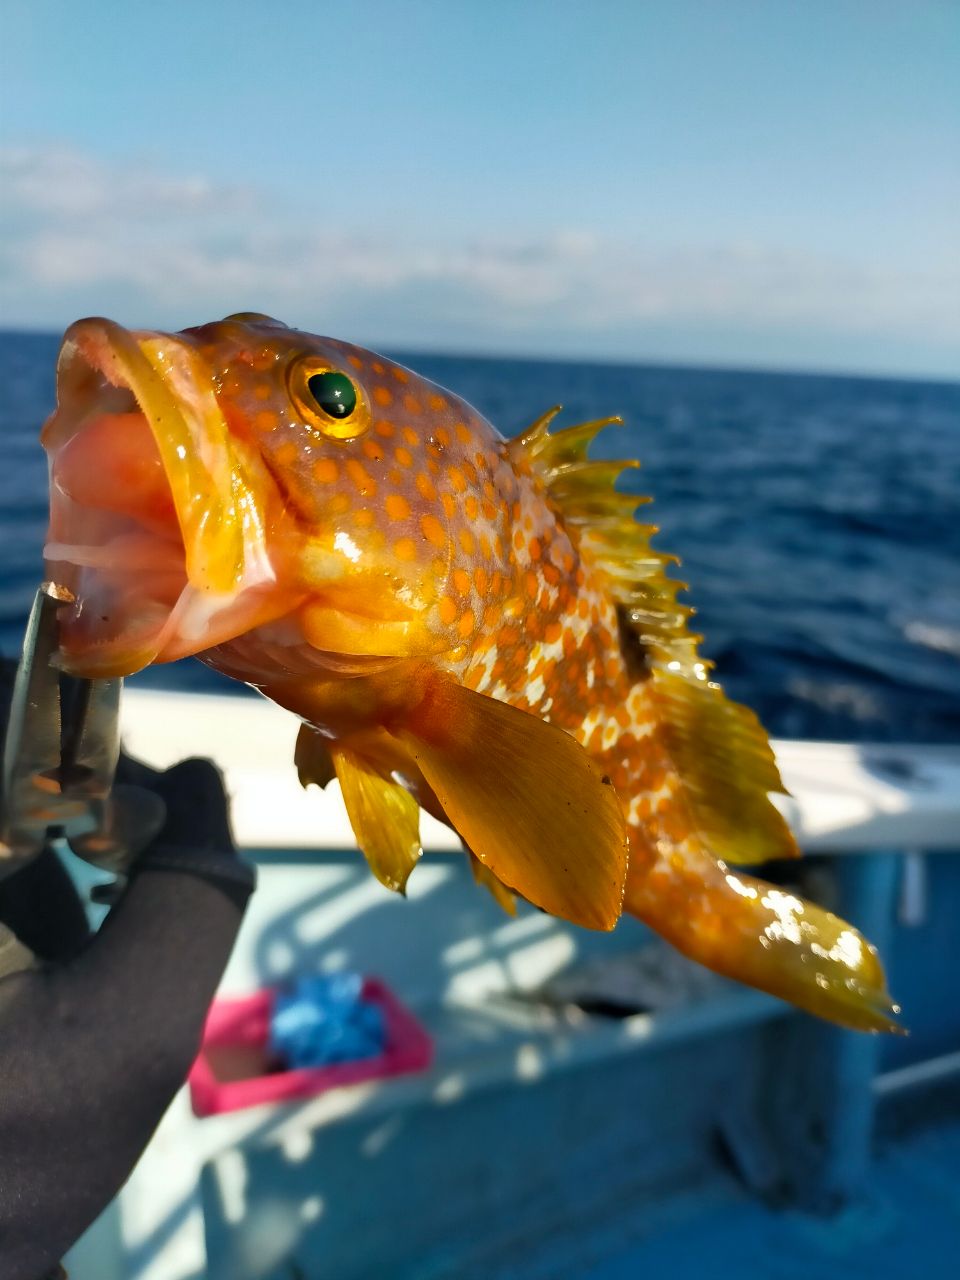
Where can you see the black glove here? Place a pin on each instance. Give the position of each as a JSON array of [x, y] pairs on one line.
[[98, 1033]]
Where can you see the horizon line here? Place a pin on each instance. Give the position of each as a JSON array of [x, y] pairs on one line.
[[679, 364]]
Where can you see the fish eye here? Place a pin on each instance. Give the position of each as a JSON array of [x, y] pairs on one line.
[[334, 393], [328, 400]]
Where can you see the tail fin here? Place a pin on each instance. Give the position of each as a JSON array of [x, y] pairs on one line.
[[763, 936]]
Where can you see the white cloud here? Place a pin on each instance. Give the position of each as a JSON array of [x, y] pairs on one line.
[[82, 235], [58, 182]]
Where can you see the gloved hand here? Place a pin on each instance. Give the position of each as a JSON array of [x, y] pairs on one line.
[[97, 1033]]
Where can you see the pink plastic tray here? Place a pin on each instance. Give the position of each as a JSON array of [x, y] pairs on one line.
[[233, 1068]]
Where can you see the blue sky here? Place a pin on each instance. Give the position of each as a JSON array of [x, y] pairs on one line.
[[759, 184]]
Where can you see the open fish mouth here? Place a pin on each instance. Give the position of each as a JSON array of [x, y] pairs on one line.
[[156, 520]]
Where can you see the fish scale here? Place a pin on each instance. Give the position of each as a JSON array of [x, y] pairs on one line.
[[475, 626]]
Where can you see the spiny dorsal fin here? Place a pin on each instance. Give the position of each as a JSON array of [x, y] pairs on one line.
[[718, 747]]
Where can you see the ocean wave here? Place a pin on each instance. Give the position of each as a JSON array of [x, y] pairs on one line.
[[930, 635]]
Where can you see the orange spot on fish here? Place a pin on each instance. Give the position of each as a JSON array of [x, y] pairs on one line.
[[552, 632], [412, 404], [466, 623], [472, 677], [377, 367], [410, 437], [403, 456], [364, 482], [461, 580], [464, 434], [373, 449], [425, 487], [533, 546], [265, 420], [398, 508], [456, 478], [448, 610], [264, 359], [401, 375], [449, 505], [433, 530], [363, 519], [384, 428], [262, 391], [480, 579], [532, 585], [325, 471], [382, 396], [355, 361], [442, 436], [437, 403], [467, 542], [405, 549], [286, 454]]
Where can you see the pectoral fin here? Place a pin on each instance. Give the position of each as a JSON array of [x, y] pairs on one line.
[[384, 816], [526, 798]]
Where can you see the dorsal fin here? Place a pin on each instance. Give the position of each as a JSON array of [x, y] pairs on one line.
[[718, 746]]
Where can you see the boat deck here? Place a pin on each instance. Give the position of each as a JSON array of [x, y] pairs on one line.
[[544, 1142], [906, 1222]]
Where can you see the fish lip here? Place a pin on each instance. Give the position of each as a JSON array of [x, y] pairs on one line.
[[86, 363], [104, 369], [186, 424], [91, 382]]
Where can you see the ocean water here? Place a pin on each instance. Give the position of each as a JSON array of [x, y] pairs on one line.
[[817, 518]]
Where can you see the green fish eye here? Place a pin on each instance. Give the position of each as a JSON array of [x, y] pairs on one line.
[[334, 393]]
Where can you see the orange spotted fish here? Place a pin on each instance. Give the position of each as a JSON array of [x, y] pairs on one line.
[[471, 625]]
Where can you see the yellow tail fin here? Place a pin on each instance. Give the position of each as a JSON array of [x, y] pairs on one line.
[[763, 936]]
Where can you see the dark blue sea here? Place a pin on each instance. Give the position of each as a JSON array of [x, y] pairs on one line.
[[818, 519]]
